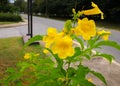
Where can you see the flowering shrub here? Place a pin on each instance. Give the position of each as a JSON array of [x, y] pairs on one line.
[[59, 68]]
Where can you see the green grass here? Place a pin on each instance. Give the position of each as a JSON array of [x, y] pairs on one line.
[[12, 47], [11, 51], [3, 23]]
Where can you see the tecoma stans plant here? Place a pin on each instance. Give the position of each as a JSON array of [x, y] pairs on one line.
[[59, 68]]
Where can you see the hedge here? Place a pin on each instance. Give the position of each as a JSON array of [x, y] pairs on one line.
[[10, 17]]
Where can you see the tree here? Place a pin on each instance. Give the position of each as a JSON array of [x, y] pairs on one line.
[[62, 8], [21, 4], [38, 6], [4, 5]]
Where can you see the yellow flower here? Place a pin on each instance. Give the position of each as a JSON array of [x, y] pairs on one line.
[[86, 28], [63, 47], [49, 39], [45, 51], [27, 56], [90, 80], [93, 11], [105, 34], [37, 54]]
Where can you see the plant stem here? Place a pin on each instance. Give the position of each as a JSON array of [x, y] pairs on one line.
[[67, 79]]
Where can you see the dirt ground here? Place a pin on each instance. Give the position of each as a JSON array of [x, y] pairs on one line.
[[6, 63]]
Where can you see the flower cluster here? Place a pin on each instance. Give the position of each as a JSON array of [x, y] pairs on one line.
[[59, 43]]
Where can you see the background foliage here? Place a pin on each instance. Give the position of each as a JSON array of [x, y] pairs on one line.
[[9, 17], [62, 8]]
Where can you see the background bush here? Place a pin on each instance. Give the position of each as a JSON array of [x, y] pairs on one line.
[[10, 17]]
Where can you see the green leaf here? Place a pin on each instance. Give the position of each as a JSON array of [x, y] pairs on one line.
[[80, 42], [23, 66], [10, 70], [82, 71], [59, 61], [13, 77], [100, 76], [71, 71], [46, 82], [106, 56], [92, 41], [84, 82], [107, 43], [18, 83], [68, 25], [34, 39], [87, 56], [77, 53], [81, 82], [63, 71]]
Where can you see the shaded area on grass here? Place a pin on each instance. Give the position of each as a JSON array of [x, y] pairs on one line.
[[11, 52]]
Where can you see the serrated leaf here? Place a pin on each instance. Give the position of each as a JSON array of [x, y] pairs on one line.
[[100, 76], [107, 43], [34, 39], [107, 56]]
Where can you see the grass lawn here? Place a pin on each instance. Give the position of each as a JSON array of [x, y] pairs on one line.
[[11, 51], [3, 23]]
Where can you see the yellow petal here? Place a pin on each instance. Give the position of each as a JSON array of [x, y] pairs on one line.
[[105, 37], [93, 11], [90, 80], [63, 47], [27, 56], [51, 31], [45, 51]]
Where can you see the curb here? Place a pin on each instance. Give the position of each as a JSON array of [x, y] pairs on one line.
[[14, 25], [115, 62]]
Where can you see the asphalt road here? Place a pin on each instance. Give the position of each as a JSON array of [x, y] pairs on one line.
[[40, 26]]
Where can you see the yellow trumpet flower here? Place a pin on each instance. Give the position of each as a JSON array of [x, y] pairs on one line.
[[85, 28], [105, 34], [93, 11], [63, 47]]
